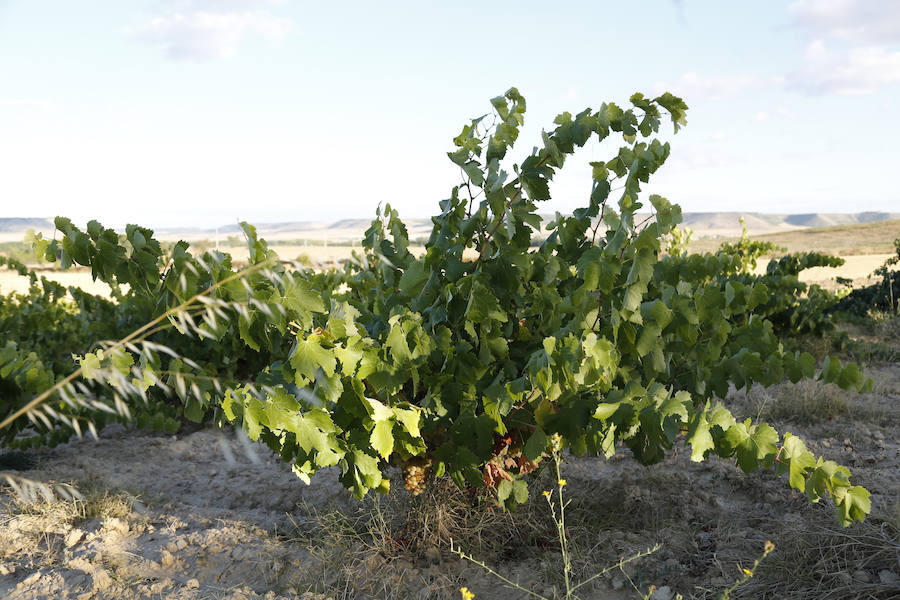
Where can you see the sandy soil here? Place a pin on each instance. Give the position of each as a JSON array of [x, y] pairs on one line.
[[10, 281]]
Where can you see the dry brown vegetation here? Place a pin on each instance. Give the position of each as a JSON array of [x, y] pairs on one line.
[[842, 240]]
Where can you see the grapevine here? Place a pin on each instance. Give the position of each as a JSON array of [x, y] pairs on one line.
[[468, 360]]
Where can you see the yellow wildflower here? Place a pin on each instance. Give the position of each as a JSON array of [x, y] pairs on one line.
[[466, 594], [562, 482], [546, 493], [747, 572]]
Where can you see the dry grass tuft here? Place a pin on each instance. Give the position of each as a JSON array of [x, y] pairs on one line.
[[39, 527], [387, 543], [803, 402], [888, 330], [62, 515], [830, 563]]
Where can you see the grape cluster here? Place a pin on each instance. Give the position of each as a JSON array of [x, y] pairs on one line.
[[414, 476]]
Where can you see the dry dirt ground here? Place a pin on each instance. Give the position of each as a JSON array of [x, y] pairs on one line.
[[855, 239], [206, 515], [10, 281]]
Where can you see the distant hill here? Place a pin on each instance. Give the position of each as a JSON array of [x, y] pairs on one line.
[[727, 224], [713, 225], [343, 230], [22, 225], [705, 225]]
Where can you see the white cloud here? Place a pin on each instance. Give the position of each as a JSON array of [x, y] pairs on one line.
[[860, 70], [860, 21], [200, 30], [40, 105], [167, 6], [693, 86], [854, 47], [815, 50], [783, 111]]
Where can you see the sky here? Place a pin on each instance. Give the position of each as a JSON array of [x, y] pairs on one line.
[[198, 113]]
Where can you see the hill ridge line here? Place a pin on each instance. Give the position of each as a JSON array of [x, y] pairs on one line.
[[704, 224]]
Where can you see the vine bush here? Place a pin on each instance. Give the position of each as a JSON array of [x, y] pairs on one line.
[[467, 360], [882, 296]]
